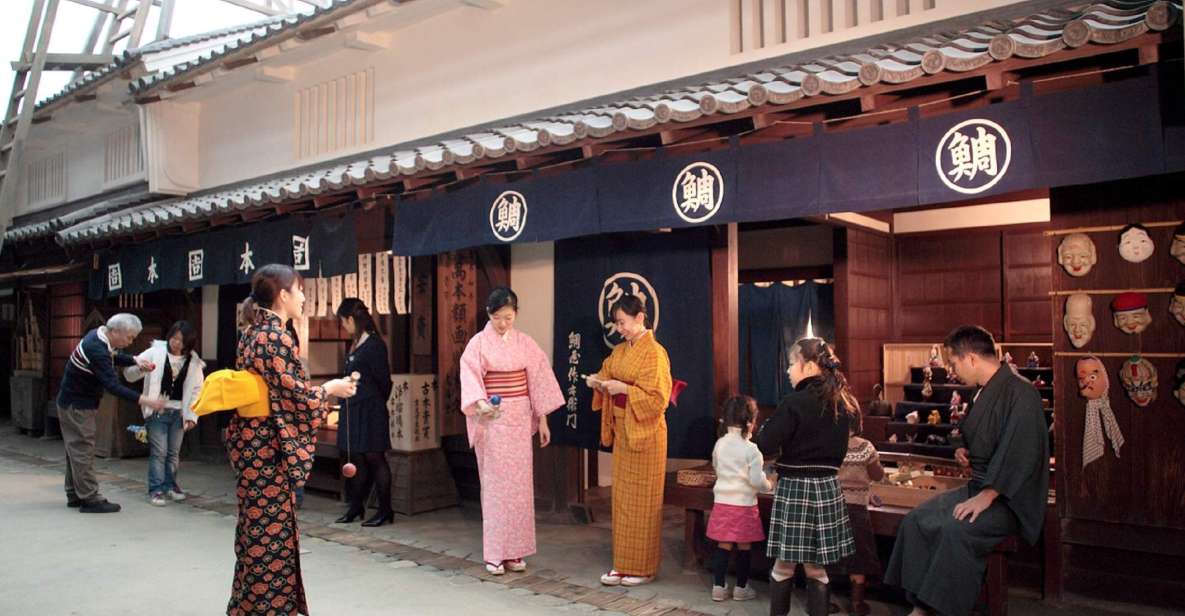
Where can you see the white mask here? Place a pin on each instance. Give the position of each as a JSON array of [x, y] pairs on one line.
[[1135, 244]]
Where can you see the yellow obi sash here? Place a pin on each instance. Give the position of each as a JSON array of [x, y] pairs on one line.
[[239, 390]]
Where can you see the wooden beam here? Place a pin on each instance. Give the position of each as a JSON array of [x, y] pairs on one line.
[[725, 312], [309, 34], [234, 63], [321, 201], [367, 41], [275, 74]]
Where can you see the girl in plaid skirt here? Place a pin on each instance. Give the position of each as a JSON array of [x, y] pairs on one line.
[[809, 432]]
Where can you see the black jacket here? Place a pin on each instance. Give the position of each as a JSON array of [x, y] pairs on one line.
[[807, 436]]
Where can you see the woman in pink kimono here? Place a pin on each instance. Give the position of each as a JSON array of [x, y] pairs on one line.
[[507, 390]]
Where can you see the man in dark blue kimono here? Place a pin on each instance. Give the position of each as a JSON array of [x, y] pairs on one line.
[[942, 545]]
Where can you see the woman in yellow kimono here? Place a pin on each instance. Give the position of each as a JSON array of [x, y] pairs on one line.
[[631, 391]]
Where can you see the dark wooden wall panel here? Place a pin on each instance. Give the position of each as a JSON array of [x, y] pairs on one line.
[[1141, 493], [1027, 281], [945, 280], [863, 304]]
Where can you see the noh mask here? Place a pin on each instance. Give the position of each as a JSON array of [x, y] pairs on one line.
[[1177, 248], [1135, 244], [1139, 380], [1092, 378], [1177, 303], [1131, 312], [1077, 254], [1079, 319], [1093, 385]]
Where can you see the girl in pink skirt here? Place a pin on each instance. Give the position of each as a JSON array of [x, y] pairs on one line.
[[735, 518]]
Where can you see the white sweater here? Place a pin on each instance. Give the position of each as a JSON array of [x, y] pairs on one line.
[[158, 354], [738, 463]]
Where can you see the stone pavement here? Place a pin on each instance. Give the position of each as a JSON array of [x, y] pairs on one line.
[[562, 577]]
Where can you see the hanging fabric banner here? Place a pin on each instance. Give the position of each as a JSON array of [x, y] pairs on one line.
[[322, 297], [335, 294], [671, 271], [366, 280], [350, 286], [310, 297], [402, 298], [382, 282]]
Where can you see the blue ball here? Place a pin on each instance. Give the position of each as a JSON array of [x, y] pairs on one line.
[[495, 400]]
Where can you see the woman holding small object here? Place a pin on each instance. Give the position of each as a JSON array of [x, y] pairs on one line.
[[632, 391], [363, 432], [507, 390], [175, 374], [272, 454]]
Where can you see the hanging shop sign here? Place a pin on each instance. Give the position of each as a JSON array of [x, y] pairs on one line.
[[227, 256], [1117, 130]]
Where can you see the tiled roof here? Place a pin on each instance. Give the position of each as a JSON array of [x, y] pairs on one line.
[[89, 79], [256, 36], [46, 228], [1034, 36]]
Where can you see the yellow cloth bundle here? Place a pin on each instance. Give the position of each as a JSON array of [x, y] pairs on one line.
[[238, 390]]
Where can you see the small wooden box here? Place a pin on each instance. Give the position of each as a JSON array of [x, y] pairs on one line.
[[923, 489]]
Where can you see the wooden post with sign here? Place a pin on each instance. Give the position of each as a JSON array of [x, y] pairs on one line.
[[456, 300]]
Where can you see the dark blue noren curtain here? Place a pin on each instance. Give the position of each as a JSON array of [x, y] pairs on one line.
[[675, 267], [772, 318]]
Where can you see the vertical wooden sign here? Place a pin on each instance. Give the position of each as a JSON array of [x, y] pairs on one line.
[[456, 297]]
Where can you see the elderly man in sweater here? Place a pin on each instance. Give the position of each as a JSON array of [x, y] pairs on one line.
[[89, 371]]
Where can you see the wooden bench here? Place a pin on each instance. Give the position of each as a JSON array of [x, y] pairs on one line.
[[697, 501]]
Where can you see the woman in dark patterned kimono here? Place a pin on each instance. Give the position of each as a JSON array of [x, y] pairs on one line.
[[273, 455]]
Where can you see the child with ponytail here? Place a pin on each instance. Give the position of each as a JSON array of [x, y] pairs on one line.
[[735, 518]]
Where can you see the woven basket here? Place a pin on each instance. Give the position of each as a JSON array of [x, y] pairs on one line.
[[697, 477]]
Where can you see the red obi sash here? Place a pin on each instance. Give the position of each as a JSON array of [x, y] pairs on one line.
[[511, 384]]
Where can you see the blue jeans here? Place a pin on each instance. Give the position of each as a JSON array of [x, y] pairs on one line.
[[166, 428]]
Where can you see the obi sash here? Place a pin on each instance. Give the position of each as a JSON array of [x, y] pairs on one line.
[[509, 384]]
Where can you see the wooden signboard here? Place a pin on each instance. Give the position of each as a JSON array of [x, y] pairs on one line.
[[456, 297]]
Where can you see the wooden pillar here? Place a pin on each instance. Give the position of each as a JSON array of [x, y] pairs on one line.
[[456, 318], [725, 311]]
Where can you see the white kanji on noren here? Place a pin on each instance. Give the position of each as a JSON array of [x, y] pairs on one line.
[[698, 192], [152, 275], [508, 215], [114, 277], [197, 264], [246, 264], [973, 156], [301, 260]]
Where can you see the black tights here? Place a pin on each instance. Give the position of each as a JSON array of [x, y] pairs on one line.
[[720, 566], [372, 472]]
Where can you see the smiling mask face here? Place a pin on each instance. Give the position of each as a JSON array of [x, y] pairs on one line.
[[1079, 321], [1077, 254]]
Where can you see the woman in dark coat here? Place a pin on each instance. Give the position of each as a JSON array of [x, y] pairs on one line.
[[363, 432]]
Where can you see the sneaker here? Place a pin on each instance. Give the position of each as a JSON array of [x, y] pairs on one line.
[[517, 565], [176, 495], [157, 499], [613, 578], [743, 593], [636, 580], [719, 593], [493, 569], [100, 505]]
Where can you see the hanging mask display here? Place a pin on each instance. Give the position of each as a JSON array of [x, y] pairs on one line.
[[1135, 244], [1179, 384], [1131, 312], [1079, 319], [1093, 385], [1177, 248], [1139, 380], [1177, 303], [1077, 254]]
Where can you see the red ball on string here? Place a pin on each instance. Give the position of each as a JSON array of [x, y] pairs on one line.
[[349, 470]]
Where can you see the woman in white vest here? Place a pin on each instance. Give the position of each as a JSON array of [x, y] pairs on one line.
[[175, 375]]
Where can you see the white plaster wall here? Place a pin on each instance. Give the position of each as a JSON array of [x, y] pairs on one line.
[[82, 134], [455, 66], [532, 276]]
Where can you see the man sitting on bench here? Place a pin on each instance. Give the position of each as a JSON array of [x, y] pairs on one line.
[[942, 545]]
